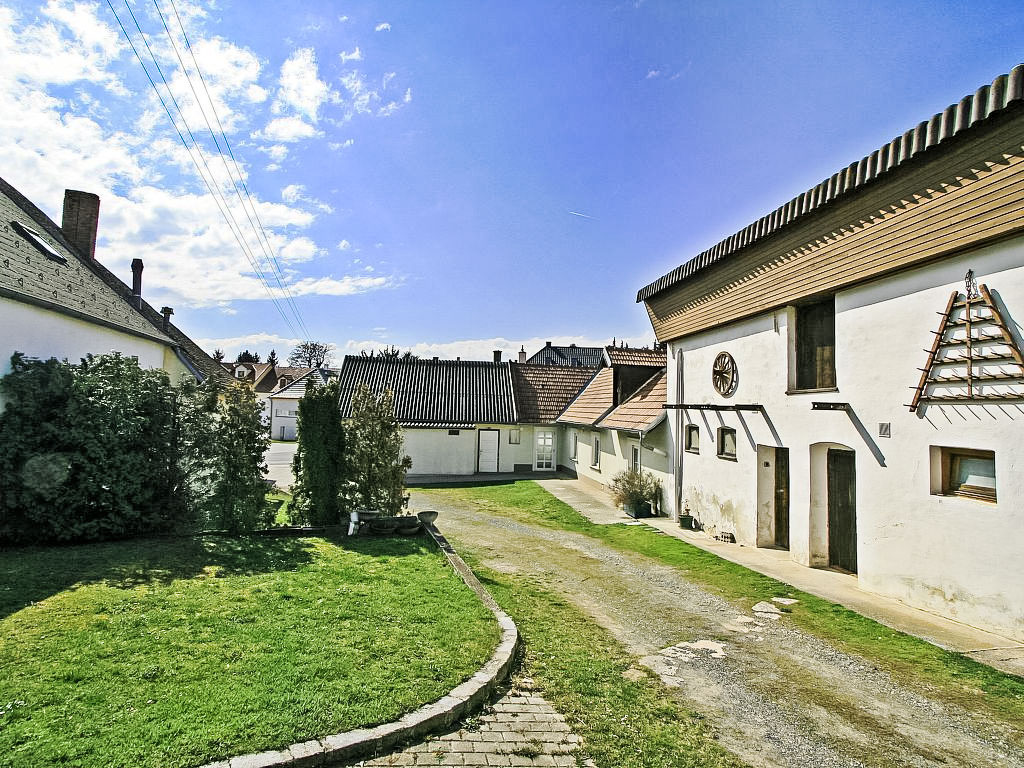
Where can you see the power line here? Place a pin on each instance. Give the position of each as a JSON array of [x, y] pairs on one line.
[[238, 179], [211, 184]]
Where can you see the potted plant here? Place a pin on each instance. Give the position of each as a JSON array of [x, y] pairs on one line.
[[635, 491]]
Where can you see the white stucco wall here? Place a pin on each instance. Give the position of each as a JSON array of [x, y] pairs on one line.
[[44, 334], [956, 556], [280, 418], [616, 450]]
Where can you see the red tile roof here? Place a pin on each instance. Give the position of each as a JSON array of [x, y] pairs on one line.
[[593, 402], [543, 391], [644, 410]]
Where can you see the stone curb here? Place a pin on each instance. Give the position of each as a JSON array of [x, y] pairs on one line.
[[463, 700]]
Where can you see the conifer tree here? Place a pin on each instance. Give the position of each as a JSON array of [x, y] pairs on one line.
[[376, 461], [319, 463]]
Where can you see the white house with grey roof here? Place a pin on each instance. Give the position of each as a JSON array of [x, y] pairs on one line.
[[57, 300], [283, 403], [845, 378]]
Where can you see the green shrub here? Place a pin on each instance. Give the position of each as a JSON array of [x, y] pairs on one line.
[[375, 457], [319, 463]]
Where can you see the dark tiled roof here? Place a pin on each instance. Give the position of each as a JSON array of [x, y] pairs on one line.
[[452, 393], [587, 357], [88, 299], [1005, 92], [644, 410], [543, 391], [652, 358], [594, 401]]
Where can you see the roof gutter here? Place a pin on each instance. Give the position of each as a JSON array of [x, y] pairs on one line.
[[189, 365]]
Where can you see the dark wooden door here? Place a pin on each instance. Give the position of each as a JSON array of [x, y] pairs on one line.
[[842, 510], [782, 497]]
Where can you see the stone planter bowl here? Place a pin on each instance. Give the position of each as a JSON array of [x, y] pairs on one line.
[[427, 516]]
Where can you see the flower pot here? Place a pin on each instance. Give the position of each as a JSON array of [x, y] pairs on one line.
[[427, 516]]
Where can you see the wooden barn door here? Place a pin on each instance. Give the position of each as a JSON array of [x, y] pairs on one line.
[[842, 510], [782, 498]]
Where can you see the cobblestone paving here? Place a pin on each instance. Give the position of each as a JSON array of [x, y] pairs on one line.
[[520, 729]]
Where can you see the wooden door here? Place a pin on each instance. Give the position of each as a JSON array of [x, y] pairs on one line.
[[842, 510], [782, 498], [488, 454]]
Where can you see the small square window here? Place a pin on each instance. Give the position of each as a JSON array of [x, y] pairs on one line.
[[726, 443], [513, 437], [453, 431], [691, 438], [969, 473]]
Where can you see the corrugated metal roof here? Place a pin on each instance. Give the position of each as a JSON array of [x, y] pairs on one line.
[[543, 391], [644, 410], [553, 354], [434, 392], [652, 358], [593, 402], [1004, 92]]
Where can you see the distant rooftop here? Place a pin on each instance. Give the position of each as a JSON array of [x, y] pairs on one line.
[[552, 354]]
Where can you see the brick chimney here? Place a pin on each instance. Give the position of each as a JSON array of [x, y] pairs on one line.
[[522, 353], [497, 355], [80, 221], [137, 282]]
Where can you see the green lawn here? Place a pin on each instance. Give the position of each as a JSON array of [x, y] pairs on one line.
[[177, 652], [949, 676], [279, 502], [625, 716]]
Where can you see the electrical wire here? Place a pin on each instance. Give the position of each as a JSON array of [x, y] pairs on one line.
[[211, 186]]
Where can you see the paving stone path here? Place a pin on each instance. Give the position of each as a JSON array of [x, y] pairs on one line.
[[520, 729]]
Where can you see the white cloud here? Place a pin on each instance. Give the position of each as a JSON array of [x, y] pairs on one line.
[[257, 342], [343, 19], [299, 250], [300, 88], [344, 245], [287, 129], [291, 193], [296, 193], [408, 95], [344, 286], [481, 349], [653, 73], [336, 145], [356, 55], [382, 27]]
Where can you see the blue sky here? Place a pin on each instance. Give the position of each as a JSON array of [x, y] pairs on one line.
[[456, 177]]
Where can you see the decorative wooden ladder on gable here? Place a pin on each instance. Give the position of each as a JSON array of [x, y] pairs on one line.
[[975, 341]]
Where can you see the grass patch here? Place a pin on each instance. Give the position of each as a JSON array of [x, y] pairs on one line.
[[580, 668], [950, 676], [278, 502], [183, 651]]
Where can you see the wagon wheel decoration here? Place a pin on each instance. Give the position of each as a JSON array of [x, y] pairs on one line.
[[724, 374]]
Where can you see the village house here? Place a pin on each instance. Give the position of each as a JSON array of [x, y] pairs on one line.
[[554, 354], [845, 374], [64, 303], [283, 401], [617, 422]]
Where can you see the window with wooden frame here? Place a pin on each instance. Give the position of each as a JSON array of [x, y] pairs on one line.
[[726, 443], [691, 438], [513, 437], [815, 342], [969, 473]]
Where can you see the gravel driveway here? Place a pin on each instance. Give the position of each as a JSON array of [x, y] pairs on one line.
[[777, 696]]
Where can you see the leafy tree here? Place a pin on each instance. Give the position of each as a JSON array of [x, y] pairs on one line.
[[234, 500], [319, 463], [248, 357], [389, 353], [272, 358], [311, 354], [218, 355], [375, 459]]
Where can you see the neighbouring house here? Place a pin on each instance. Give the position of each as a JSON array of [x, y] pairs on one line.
[[542, 392], [261, 377], [57, 300], [457, 416], [283, 401], [618, 421], [585, 357], [845, 377]]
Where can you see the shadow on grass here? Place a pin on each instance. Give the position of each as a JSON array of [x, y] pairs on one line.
[[31, 574], [462, 483]]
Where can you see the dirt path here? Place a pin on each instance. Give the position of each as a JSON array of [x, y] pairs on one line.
[[777, 696]]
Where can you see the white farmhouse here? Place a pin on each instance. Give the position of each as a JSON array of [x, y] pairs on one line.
[[57, 300], [844, 374]]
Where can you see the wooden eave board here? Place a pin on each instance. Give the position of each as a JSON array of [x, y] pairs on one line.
[[972, 194]]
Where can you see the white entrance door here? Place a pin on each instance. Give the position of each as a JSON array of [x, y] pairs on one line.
[[544, 450], [488, 451]]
